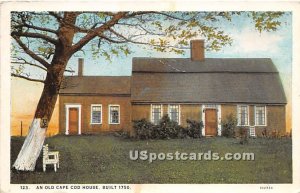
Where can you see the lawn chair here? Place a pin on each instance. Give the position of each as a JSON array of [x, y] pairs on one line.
[[50, 157]]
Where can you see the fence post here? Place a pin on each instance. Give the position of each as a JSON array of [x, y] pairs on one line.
[[21, 129]]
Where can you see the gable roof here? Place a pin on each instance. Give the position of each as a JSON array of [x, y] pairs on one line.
[[208, 65], [96, 85], [162, 80]]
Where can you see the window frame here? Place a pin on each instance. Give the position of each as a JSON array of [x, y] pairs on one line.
[[239, 119], [151, 112], [265, 114], [109, 114], [96, 105], [179, 112]]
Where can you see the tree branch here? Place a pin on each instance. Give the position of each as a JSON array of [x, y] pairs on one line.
[[155, 12], [171, 16], [97, 31], [143, 43], [34, 35], [140, 27], [111, 40], [31, 64], [27, 78], [57, 16], [31, 53], [40, 28]]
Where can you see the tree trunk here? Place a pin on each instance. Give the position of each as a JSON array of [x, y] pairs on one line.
[[31, 148], [34, 141]]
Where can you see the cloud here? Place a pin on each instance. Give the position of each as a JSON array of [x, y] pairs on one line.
[[249, 40]]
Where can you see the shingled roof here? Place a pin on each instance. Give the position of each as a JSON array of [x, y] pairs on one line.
[[96, 85], [238, 80]]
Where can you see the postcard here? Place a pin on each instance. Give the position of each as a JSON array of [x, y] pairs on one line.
[[122, 96]]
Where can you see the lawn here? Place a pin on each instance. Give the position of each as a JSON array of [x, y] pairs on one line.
[[105, 159]]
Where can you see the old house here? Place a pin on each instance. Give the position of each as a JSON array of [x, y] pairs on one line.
[[91, 104], [197, 88]]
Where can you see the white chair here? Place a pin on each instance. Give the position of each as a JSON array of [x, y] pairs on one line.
[[50, 157]]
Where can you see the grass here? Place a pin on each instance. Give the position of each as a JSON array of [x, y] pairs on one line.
[[105, 159]]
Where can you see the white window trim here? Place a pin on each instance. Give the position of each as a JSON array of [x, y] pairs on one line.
[[179, 112], [67, 108], [265, 115], [237, 110], [91, 121], [110, 105], [161, 112]]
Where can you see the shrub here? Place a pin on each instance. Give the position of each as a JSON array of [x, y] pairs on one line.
[[275, 133], [229, 126], [264, 132], [194, 128], [143, 129], [168, 128], [243, 135]]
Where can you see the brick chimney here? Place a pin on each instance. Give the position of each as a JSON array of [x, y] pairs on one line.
[[80, 66], [197, 50]]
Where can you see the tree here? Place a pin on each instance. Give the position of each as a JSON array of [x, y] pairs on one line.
[[47, 40]]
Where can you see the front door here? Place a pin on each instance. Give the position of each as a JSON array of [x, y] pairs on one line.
[[73, 121], [211, 123]]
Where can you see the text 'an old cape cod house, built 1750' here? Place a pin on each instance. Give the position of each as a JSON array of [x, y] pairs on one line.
[[196, 88]]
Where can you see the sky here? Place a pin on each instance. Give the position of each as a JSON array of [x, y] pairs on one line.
[[247, 43]]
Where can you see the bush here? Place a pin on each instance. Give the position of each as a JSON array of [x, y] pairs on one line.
[[167, 129], [194, 128], [264, 132], [243, 135], [229, 126], [143, 129]]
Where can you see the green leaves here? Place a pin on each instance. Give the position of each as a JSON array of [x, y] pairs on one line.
[[109, 52], [106, 55], [266, 21], [159, 31], [125, 50], [158, 25]]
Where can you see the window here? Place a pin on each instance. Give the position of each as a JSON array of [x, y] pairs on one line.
[[174, 113], [260, 115], [96, 114], [114, 114], [243, 115], [156, 113]]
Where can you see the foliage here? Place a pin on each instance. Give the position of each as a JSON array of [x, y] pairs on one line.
[[143, 129], [266, 21], [166, 129], [194, 128], [40, 35], [47, 40], [229, 126], [243, 133], [264, 132]]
